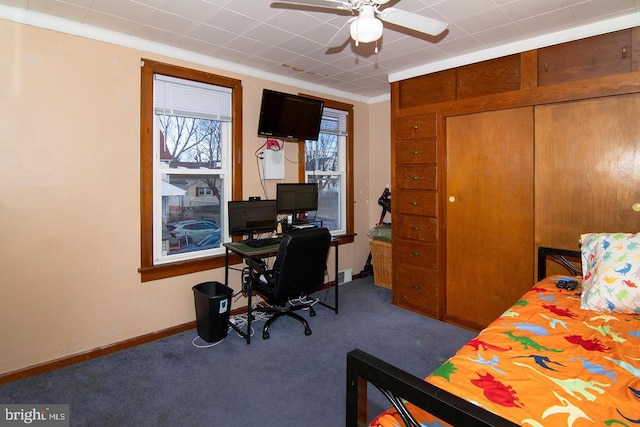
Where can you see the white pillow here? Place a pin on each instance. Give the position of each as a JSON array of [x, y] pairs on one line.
[[611, 272]]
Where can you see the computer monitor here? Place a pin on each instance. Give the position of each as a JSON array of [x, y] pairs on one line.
[[296, 198], [247, 217]]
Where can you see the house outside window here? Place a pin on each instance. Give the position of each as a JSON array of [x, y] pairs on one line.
[[186, 166]]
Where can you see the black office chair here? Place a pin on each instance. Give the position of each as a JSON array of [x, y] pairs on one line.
[[299, 266]]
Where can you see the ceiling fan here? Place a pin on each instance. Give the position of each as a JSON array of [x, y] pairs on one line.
[[367, 26]]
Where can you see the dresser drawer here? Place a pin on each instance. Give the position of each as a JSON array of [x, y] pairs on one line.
[[415, 202], [424, 254], [415, 288], [415, 227], [416, 151], [414, 127], [416, 177]]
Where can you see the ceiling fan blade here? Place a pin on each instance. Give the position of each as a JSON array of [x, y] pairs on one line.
[[328, 4], [413, 21]]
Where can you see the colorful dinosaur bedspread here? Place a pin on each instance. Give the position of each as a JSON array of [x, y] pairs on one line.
[[546, 362]]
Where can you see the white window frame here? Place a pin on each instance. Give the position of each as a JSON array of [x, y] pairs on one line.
[[342, 133], [150, 269]]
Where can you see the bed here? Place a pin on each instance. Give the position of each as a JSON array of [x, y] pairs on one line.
[[557, 357]]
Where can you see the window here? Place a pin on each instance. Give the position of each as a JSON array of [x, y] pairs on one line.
[[204, 191], [329, 163], [189, 138]]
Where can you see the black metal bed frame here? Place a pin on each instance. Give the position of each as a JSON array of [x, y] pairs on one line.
[[399, 386]]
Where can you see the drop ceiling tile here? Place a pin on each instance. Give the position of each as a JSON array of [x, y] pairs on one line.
[[299, 45], [326, 70], [213, 35], [522, 9], [229, 55], [22, 4], [590, 11], [254, 8], [480, 22], [131, 10], [113, 23], [231, 21], [63, 10], [169, 22], [461, 45], [248, 46], [194, 45], [304, 63], [458, 9], [552, 21], [266, 32], [156, 34], [152, 3], [277, 55], [196, 10], [82, 3], [294, 22], [323, 33], [497, 35]]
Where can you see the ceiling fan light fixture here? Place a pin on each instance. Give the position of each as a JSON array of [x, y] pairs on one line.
[[366, 29]]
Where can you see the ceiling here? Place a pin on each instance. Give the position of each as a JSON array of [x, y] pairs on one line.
[[311, 48]]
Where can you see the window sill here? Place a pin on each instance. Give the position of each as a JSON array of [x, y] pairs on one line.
[[179, 268]]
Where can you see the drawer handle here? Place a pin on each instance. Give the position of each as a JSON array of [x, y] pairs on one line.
[[414, 152], [416, 287], [416, 127], [415, 177], [414, 203], [416, 228], [415, 254], [624, 52]]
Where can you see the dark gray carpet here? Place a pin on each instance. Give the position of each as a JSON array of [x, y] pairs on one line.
[[289, 380]]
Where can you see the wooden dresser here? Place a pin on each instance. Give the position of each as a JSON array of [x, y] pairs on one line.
[[415, 214]]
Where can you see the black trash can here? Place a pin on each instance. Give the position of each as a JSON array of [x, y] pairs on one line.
[[213, 305]]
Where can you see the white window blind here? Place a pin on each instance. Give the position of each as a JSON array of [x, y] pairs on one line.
[[188, 98], [334, 121]]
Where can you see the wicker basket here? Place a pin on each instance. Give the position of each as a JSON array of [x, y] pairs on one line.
[[381, 260]]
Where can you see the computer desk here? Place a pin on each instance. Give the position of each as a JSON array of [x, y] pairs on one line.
[[247, 253]]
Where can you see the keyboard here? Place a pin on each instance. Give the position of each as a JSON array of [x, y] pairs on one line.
[[302, 226], [260, 243]]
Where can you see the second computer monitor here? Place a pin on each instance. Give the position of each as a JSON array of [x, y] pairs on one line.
[[295, 198]]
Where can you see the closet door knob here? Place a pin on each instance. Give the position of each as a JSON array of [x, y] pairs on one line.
[[452, 199], [636, 206]]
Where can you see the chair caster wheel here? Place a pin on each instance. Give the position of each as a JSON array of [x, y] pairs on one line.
[[312, 312], [307, 332], [265, 335]]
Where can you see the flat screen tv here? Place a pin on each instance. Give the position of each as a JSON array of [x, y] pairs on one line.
[[248, 217], [287, 116], [296, 198]]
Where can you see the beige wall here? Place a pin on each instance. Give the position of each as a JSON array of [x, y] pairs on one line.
[[69, 198]]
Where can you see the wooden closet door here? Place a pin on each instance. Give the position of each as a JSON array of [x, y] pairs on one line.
[[489, 213], [587, 169]]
